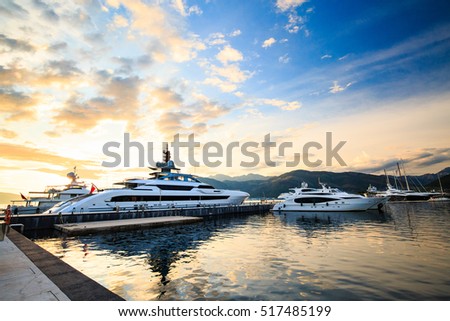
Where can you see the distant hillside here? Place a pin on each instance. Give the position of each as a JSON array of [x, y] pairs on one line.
[[349, 181]]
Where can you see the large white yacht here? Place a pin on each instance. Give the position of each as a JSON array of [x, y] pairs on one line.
[[166, 188], [326, 199], [38, 202]]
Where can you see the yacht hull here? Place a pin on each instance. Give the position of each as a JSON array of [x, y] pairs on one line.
[[352, 205]]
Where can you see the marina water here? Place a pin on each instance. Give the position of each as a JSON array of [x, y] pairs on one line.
[[401, 255]]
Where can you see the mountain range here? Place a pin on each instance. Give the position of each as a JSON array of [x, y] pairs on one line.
[[271, 186]]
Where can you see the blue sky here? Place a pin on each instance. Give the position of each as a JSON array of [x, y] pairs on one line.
[[75, 75]]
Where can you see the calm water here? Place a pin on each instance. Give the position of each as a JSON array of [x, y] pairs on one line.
[[401, 256]]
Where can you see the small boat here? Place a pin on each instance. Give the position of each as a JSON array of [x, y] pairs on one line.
[[327, 199], [166, 188], [52, 195]]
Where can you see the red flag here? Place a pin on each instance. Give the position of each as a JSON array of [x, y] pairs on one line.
[[93, 188], [23, 197]]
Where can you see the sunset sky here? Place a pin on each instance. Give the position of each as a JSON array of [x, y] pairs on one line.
[[75, 75]]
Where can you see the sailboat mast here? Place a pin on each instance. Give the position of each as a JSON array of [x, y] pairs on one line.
[[406, 178], [440, 184], [399, 176]]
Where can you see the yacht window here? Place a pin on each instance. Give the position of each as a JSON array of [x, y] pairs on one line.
[[175, 187], [165, 198], [308, 200], [131, 185], [205, 186]]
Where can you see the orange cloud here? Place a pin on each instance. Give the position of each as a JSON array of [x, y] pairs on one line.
[[118, 101], [27, 153], [16, 105]]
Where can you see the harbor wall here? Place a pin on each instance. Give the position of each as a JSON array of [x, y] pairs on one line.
[[47, 221]]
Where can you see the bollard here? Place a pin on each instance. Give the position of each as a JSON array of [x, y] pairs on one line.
[[2, 230]]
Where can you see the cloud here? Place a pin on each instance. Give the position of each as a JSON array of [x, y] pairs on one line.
[[282, 104], [223, 85], [343, 57], [326, 57], [171, 123], [168, 38], [268, 42], [295, 23], [285, 5], [5, 133], [226, 77], [47, 11], [235, 33], [16, 105], [57, 46], [166, 98], [184, 10], [15, 44], [12, 76], [117, 100], [229, 54], [50, 73], [417, 160], [184, 118], [231, 72], [26, 153], [204, 110], [284, 59], [216, 38], [336, 88], [11, 9], [120, 21], [63, 68]]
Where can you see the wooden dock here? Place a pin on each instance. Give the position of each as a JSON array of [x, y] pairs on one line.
[[122, 225]]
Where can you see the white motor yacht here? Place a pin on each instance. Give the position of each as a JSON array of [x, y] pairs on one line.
[[39, 202], [166, 188], [326, 199]]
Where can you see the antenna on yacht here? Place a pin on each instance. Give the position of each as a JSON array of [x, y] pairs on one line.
[[166, 153]]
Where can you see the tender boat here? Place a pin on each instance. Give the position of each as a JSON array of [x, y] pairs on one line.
[[39, 202], [326, 199], [166, 188]]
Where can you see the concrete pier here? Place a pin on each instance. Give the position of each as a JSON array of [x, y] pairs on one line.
[[47, 221], [30, 273], [122, 225]]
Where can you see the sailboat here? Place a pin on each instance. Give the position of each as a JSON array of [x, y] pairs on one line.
[[401, 194], [442, 197]]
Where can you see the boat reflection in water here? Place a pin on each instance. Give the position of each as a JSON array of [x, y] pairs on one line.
[[331, 217]]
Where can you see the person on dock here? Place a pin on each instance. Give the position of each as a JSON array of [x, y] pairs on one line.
[[8, 215]]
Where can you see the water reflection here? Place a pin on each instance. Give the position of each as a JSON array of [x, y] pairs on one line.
[[312, 222], [402, 255]]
